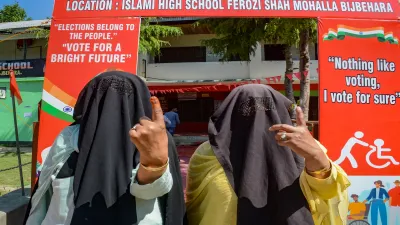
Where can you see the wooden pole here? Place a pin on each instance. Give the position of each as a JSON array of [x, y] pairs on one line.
[[21, 175], [35, 143], [35, 139]]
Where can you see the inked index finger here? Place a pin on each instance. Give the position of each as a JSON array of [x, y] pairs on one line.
[[158, 115], [300, 117], [282, 127]]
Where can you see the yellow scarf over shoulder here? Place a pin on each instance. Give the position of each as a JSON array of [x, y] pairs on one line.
[[212, 201]]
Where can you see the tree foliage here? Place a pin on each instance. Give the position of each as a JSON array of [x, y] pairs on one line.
[[234, 37], [13, 13], [240, 37], [152, 36], [282, 30]]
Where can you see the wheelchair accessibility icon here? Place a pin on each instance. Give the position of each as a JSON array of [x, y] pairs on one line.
[[377, 148]]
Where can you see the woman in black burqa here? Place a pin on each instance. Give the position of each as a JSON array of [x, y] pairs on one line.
[[116, 153], [257, 168]]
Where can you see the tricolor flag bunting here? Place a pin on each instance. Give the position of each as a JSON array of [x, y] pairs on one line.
[[373, 32]]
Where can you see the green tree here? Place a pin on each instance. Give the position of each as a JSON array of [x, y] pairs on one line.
[[240, 37], [284, 31], [13, 13], [151, 39], [234, 37], [308, 33], [152, 36]]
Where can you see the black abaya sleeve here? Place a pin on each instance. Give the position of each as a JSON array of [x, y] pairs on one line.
[[173, 203], [68, 170], [28, 208]]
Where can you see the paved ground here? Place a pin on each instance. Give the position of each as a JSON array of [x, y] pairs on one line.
[[14, 149], [185, 152], [10, 203]]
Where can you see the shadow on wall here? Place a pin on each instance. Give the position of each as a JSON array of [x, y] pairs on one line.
[[31, 92]]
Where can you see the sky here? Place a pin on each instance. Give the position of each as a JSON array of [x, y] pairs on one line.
[[37, 9]]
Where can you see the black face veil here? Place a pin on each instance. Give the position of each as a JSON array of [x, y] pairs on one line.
[[107, 108], [263, 174]]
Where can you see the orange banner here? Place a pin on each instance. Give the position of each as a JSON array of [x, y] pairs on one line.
[[79, 49], [360, 94], [359, 100], [372, 9]]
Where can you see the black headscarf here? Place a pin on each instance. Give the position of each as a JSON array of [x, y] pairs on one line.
[[264, 175], [107, 108]]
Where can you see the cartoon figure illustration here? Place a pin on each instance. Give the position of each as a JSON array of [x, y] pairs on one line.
[[356, 209], [378, 197], [394, 204], [346, 150], [378, 149]]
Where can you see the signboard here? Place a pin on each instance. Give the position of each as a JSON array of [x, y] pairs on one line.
[[359, 108], [3, 91], [79, 49], [22, 68], [372, 9]]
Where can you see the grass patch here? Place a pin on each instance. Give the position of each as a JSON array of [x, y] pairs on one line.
[[9, 179]]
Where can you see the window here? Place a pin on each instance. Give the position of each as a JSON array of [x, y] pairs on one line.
[[313, 109], [181, 54], [313, 112], [198, 110], [274, 52], [236, 57], [316, 51], [233, 58]]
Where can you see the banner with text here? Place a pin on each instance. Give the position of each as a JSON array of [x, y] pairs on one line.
[[79, 49], [359, 110], [372, 9], [22, 68]]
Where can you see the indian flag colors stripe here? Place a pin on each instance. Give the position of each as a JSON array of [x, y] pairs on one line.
[[58, 93], [373, 32], [55, 112], [56, 102], [332, 34], [389, 36], [360, 32]]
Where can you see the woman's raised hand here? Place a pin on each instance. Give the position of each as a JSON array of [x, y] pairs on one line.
[[300, 140], [151, 140]]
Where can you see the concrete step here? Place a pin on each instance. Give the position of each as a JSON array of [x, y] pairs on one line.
[[13, 206], [190, 140]]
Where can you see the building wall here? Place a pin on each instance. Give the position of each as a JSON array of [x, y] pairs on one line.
[[31, 92], [188, 40], [213, 69], [31, 88], [10, 51]]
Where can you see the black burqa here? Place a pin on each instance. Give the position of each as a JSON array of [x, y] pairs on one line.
[[107, 108], [264, 175]]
